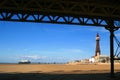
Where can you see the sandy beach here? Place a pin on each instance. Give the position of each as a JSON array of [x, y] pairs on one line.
[[57, 72]]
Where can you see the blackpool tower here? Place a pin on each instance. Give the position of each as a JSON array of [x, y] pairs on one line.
[[97, 51]]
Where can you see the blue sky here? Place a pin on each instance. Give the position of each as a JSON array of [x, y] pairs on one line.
[[41, 42]]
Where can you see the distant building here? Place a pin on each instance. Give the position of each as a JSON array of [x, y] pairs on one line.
[[74, 62], [92, 60], [98, 57], [24, 62]]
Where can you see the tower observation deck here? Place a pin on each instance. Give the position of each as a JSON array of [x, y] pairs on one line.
[[103, 13]]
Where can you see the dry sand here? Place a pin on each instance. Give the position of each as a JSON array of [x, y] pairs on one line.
[[57, 72]]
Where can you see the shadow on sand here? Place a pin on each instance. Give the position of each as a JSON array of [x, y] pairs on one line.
[[51, 76]]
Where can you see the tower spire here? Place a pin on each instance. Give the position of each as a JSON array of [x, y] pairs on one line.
[[97, 51]]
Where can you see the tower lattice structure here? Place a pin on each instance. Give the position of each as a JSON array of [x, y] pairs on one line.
[[97, 51]]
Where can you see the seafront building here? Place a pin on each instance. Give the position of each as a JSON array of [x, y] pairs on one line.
[[97, 58]]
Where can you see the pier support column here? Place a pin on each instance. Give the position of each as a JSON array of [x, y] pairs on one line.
[[112, 52], [111, 29]]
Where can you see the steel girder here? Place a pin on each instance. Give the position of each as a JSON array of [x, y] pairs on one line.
[[81, 12]]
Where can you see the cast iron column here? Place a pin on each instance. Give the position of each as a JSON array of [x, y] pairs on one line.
[[112, 51], [111, 28]]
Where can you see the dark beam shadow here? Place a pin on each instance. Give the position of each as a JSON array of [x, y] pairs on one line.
[[55, 76]]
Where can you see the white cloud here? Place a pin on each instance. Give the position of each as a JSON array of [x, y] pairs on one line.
[[72, 50], [34, 57], [25, 49], [44, 58], [57, 54]]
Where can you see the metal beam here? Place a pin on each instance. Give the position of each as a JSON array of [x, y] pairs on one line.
[[41, 18], [117, 58], [85, 8], [78, 12]]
